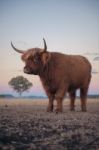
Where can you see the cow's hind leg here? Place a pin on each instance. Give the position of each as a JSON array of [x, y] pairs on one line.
[[83, 96], [72, 95]]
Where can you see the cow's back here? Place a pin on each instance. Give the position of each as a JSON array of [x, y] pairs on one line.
[[71, 68]]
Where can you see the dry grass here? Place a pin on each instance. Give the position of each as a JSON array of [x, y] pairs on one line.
[[24, 124], [42, 102], [16, 102]]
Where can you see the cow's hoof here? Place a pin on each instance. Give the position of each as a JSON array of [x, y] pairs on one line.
[[72, 109], [49, 110], [58, 111], [84, 110]]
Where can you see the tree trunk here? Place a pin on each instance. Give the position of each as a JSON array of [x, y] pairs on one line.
[[20, 93]]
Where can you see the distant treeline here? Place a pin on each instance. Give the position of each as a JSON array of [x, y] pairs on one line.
[[25, 97], [9, 96], [90, 96], [6, 96], [93, 96]]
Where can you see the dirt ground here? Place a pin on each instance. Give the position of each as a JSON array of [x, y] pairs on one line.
[[25, 125]]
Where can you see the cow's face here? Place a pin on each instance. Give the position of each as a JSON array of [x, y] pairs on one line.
[[32, 59], [35, 59]]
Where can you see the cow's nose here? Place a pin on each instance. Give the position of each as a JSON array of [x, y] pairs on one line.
[[26, 70]]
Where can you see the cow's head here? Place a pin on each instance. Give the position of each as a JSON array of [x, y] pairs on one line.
[[35, 59]]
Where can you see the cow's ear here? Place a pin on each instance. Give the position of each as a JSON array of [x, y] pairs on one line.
[[46, 58]]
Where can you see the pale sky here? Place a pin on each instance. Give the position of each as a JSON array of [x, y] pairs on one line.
[[69, 26]]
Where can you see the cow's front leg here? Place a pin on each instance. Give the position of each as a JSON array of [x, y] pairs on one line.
[[59, 107], [50, 103], [59, 98]]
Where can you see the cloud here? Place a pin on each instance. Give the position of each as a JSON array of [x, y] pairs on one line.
[[96, 58], [92, 54], [94, 71]]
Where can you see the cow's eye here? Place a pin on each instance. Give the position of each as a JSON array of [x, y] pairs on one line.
[[36, 59], [30, 58]]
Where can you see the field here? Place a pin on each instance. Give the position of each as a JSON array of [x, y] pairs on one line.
[[25, 125]]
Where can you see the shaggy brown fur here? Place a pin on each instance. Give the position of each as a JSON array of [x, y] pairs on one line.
[[59, 73]]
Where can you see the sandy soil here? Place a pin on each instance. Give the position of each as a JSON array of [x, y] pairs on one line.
[[25, 125]]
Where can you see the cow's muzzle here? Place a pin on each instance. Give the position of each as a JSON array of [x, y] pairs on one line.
[[26, 70]]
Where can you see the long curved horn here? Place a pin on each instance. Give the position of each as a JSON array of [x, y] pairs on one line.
[[17, 50], [45, 46]]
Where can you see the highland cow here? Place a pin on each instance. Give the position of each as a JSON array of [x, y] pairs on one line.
[[59, 73]]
